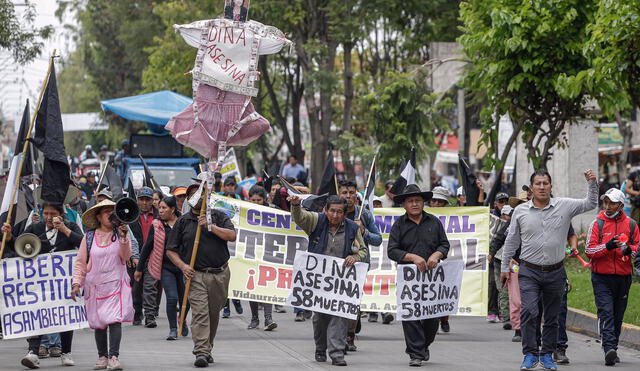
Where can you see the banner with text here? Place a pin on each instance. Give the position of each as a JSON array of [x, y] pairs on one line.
[[263, 254], [323, 284], [429, 294], [36, 296]]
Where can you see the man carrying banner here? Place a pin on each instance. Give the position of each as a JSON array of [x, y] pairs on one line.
[[539, 227], [417, 237], [330, 233], [210, 275]]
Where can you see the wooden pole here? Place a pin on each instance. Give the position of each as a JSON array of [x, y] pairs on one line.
[[25, 148], [194, 253], [366, 188]]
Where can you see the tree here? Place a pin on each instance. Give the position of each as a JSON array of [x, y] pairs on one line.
[[25, 42], [519, 53]]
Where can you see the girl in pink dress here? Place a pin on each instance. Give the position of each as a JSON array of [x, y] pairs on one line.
[[101, 271]]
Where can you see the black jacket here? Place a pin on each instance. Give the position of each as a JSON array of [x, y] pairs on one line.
[[62, 243]]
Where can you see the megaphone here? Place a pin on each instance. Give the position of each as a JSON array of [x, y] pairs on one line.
[[126, 210], [27, 245]]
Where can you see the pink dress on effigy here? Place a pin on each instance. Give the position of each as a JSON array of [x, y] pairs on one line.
[[107, 293]]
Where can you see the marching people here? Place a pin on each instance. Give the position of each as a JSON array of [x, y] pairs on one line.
[[146, 291], [258, 196], [417, 237], [210, 275], [157, 197], [540, 228], [330, 332], [100, 269], [371, 235], [495, 255], [612, 245], [156, 263], [56, 235]]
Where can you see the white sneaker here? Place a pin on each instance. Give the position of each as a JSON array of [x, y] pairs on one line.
[[101, 363], [67, 360], [31, 360]]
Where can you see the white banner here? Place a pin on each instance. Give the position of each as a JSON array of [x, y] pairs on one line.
[[36, 296], [323, 284], [429, 294]]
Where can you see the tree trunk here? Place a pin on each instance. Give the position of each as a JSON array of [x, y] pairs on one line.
[[347, 76], [625, 131]]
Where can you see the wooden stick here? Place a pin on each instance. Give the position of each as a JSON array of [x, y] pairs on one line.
[[194, 253], [25, 148], [373, 163], [335, 179]]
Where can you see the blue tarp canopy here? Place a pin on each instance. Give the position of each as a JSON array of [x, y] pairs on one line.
[[156, 109]]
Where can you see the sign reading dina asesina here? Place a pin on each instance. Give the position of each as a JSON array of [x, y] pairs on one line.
[[36, 296]]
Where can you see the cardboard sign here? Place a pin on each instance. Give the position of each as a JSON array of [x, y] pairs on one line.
[[429, 294], [323, 284], [36, 296]]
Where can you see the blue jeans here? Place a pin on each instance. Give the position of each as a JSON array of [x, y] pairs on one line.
[[173, 284], [51, 340]]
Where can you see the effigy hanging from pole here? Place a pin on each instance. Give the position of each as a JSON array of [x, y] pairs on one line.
[[224, 78]]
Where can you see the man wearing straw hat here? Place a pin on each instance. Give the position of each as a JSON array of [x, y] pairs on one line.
[[210, 274]]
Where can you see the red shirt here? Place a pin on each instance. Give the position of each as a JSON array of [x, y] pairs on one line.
[[145, 224]]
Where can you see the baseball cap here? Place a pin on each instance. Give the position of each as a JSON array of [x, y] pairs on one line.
[[229, 180], [145, 192], [506, 210], [502, 196], [106, 192], [180, 191], [614, 195]]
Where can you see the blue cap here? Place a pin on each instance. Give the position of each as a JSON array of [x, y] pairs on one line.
[[145, 192]]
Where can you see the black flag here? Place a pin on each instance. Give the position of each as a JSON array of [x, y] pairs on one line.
[[112, 181], [148, 176], [131, 192], [328, 181], [471, 189], [13, 172], [49, 139], [407, 175]]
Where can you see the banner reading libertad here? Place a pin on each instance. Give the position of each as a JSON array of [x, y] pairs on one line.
[[262, 256]]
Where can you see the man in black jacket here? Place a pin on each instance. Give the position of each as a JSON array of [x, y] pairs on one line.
[[417, 237]]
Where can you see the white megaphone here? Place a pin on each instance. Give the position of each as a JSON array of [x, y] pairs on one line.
[[27, 245]]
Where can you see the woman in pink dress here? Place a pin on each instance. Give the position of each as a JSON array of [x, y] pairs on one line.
[[101, 271]]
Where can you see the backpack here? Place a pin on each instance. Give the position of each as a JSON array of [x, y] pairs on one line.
[[632, 230]]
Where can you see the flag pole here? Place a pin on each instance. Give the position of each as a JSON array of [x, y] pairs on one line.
[[194, 253], [366, 188], [25, 147]]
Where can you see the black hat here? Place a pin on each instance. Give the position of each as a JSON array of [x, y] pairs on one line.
[[502, 196], [230, 180], [409, 191]]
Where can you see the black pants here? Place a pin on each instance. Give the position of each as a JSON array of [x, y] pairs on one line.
[[535, 286], [612, 293], [136, 292], [112, 347], [493, 291], [66, 338], [563, 339], [418, 335]]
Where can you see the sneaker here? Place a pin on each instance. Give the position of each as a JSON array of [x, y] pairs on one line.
[[373, 317], [31, 360], [150, 322], [530, 362], [610, 357], [101, 363], [338, 362], [269, 325], [321, 356], [444, 325], [517, 337], [137, 322], [492, 318], [387, 318], [201, 361], [307, 314], [415, 362], [55, 352], [617, 360], [226, 312], [209, 359], [114, 364], [547, 362], [43, 352], [237, 305], [67, 360], [279, 309], [560, 356], [253, 324], [507, 326], [173, 334], [299, 317]]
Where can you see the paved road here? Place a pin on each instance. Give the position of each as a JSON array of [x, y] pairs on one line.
[[472, 344]]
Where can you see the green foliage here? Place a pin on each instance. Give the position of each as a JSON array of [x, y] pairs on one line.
[[24, 42], [520, 53], [405, 114]]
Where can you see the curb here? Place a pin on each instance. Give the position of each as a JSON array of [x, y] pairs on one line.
[[587, 323]]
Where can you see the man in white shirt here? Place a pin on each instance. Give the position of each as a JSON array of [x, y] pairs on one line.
[[292, 169]]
